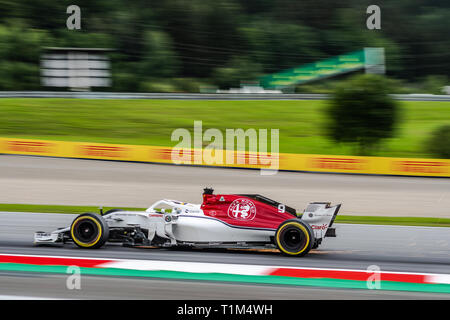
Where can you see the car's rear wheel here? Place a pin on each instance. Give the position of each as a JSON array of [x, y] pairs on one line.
[[294, 237], [89, 230]]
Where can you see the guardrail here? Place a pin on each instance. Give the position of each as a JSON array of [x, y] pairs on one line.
[[199, 96]]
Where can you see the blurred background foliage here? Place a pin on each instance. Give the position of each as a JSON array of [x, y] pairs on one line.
[[439, 142], [179, 45], [361, 112]]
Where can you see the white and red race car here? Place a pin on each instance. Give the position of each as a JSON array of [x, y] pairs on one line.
[[221, 221]]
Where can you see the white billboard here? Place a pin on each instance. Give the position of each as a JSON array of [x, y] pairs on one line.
[[75, 68]]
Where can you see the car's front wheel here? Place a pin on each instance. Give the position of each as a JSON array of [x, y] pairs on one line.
[[294, 237], [89, 230]]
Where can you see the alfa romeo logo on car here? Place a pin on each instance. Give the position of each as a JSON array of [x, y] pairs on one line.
[[242, 209]]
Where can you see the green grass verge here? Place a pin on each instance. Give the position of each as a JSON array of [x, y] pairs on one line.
[[151, 122], [404, 221], [400, 221]]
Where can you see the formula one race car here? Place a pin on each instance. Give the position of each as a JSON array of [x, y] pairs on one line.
[[221, 221]]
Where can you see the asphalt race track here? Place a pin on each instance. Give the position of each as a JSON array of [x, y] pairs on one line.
[[392, 248], [40, 180], [71, 181], [45, 286]]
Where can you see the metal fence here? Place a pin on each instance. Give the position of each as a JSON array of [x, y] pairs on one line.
[[198, 96]]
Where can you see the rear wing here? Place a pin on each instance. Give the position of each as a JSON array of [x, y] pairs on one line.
[[320, 216]]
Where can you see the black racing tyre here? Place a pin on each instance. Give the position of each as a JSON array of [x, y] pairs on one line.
[[294, 237], [112, 210], [89, 230]]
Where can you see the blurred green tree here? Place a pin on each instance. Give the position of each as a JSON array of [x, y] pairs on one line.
[[362, 112], [158, 57], [439, 143], [204, 37], [434, 84], [236, 70], [19, 56], [278, 46]]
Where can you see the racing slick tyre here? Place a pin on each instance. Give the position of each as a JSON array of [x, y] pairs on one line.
[[89, 230], [111, 211], [294, 237]]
